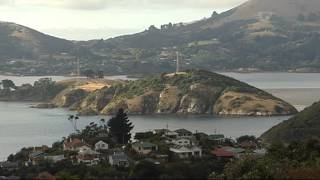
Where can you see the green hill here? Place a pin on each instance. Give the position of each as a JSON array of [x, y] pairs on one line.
[[190, 92], [18, 41], [304, 125]]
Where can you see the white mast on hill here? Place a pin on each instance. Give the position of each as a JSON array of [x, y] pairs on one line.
[[178, 62]]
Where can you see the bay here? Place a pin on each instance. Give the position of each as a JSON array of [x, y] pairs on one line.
[[21, 126]]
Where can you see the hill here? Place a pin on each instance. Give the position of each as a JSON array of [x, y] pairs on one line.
[[259, 35], [18, 41], [303, 126], [190, 92]]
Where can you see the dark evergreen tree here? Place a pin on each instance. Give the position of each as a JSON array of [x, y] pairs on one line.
[[120, 127]]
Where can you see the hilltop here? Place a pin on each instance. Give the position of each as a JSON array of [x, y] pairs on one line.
[[305, 125]]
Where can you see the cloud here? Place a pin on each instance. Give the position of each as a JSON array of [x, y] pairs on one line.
[[103, 4]]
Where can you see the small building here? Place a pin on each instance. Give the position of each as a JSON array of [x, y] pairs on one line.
[[248, 145], [160, 131], [181, 142], [119, 160], [185, 152], [184, 133], [217, 138], [101, 145], [88, 157], [171, 134], [56, 158], [36, 156], [222, 153], [144, 147], [72, 144]]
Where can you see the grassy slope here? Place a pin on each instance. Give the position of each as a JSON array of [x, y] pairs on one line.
[[304, 125]]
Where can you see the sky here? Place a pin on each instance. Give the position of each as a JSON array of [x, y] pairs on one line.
[[102, 19]]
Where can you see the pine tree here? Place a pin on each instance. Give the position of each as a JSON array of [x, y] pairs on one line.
[[120, 127]]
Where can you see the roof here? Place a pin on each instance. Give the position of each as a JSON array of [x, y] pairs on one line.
[[220, 152], [36, 154], [183, 131], [184, 149], [101, 142], [234, 150], [144, 144], [89, 152], [74, 143], [216, 136], [119, 157]]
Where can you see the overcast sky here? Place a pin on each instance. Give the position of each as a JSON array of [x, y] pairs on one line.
[[97, 19]]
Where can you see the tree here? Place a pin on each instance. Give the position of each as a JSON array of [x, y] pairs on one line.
[[7, 84], [74, 120], [89, 73], [301, 17], [120, 127], [214, 14], [100, 74]]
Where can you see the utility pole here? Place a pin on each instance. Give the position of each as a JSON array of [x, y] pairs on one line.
[[178, 62], [78, 67]]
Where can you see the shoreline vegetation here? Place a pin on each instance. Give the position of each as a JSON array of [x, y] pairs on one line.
[[182, 93]]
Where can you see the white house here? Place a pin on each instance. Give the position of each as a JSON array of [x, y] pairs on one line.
[[182, 142], [101, 145], [119, 159], [185, 152], [88, 157], [144, 147]]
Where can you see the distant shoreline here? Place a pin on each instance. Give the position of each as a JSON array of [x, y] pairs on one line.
[[297, 96]]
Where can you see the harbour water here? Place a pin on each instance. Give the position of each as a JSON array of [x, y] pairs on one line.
[[21, 126]]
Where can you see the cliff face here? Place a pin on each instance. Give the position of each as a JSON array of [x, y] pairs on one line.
[[191, 92], [304, 125]]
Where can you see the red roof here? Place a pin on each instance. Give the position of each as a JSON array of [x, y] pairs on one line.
[[222, 153], [73, 143]]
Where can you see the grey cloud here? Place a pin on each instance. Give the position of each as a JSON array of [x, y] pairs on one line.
[[103, 4]]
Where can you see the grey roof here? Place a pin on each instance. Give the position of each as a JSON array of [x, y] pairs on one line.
[[183, 131], [120, 157], [36, 154], [144, 144]]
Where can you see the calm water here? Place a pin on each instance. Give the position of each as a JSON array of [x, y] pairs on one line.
[[21, 126]]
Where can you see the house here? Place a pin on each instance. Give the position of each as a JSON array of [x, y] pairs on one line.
[[144, 147], [185, 152], [171, 134], [260, 152], [217, 138], [56, 158], [72, 144], [181, 142], [184, 133], [222, 153], [248, 145], [236, 150], [88, 157], [36, 156], [119, 160], [101, 145], [160, 131]]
